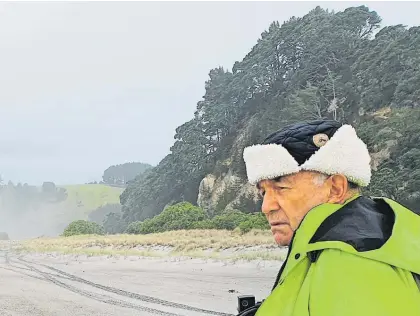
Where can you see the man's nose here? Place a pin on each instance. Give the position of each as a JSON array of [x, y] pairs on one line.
[[270, 203]]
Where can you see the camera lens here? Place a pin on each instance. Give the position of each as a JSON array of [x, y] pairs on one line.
[[245, 302]]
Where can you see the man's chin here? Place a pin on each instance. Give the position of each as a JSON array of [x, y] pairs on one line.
[[282, 239]]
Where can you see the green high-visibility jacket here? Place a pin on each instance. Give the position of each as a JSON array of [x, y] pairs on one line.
[[360, 258]]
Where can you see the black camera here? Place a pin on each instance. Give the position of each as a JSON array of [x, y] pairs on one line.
[[245, 302]]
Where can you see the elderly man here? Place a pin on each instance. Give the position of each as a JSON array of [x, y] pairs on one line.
[[348, 254]]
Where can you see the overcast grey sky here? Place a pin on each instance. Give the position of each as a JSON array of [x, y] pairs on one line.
[[86, 85]]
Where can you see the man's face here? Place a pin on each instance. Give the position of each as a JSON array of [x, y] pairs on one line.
[[288, 199]]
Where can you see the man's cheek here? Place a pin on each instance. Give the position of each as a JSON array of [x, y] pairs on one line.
[[296, 220]]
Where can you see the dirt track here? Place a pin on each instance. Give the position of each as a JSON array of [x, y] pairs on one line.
[[62, 285]]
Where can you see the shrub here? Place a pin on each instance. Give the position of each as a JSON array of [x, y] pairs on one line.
[[187, 216], [206, 224], [229, 220], [81, 227], [134, 228], [150, 225], [254, 221], [182, 215]]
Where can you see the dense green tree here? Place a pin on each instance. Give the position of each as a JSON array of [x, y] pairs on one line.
[[114, 224], [48, 188], [99, 215]]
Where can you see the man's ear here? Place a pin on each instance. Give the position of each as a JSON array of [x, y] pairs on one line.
[[338, 189]]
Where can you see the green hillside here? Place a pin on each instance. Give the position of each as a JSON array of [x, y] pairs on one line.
[[82, 200], [87, 197]]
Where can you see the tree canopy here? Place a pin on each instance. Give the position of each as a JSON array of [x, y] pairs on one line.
[[322, 65], [124, 173]]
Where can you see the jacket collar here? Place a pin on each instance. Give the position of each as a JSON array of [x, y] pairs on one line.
[[307, 229], [377, 228]]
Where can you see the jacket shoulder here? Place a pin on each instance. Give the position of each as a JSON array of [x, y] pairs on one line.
[[359, 286]]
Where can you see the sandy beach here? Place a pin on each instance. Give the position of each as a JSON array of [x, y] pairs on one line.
[[69, 284]]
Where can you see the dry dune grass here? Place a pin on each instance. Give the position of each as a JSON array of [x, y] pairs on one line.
[[193, 243], [179, 240]]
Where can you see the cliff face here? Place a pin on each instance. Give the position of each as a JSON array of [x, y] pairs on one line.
[[227, 192], [227, 188]]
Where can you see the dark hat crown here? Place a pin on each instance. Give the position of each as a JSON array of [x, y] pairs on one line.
[[303, 139]]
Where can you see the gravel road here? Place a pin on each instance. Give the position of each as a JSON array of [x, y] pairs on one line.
[[61, 285]]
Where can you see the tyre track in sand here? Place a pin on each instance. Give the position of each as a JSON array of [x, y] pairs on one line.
[[95, 296], [53, 278]]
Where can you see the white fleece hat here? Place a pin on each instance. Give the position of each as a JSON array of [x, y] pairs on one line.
[[324, 146]]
